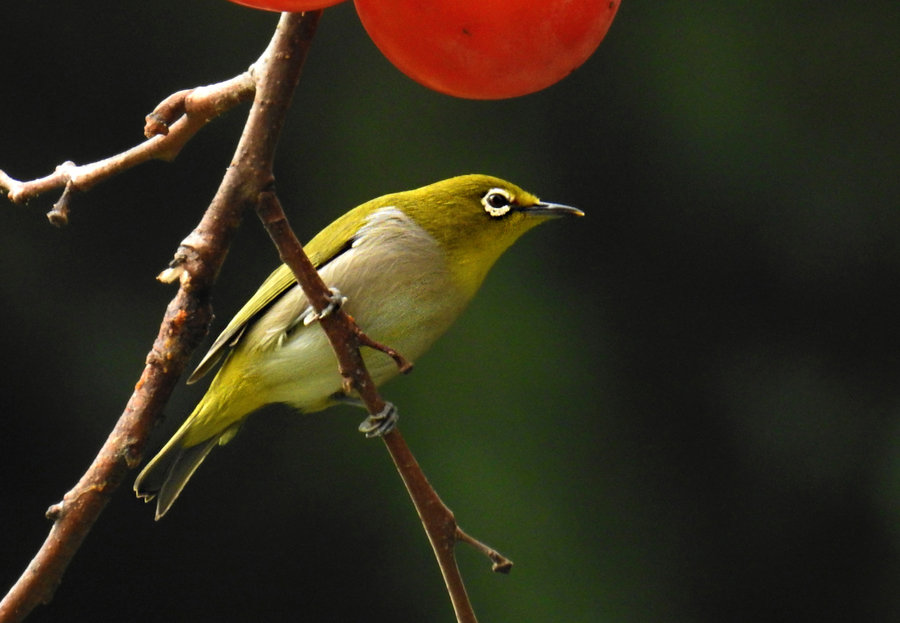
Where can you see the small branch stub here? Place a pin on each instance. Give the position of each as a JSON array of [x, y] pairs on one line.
[[404, 364], [59, 215], [501, 564]]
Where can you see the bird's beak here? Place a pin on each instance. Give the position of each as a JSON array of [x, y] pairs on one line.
[[551, 209]]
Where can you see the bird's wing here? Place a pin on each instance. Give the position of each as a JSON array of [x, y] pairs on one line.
[[327, 245]]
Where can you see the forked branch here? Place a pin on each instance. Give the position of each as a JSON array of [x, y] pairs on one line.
[[247, 184], [184, 326]]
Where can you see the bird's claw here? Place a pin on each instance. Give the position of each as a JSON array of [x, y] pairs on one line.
[[381, 423], [335, 300]]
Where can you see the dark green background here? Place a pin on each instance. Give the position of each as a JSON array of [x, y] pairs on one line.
[[684, 407]]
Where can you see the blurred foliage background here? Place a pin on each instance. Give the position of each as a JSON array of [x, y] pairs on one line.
[[684, 407]]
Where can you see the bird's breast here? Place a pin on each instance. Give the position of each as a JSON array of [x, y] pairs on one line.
[[399, 290], [398, 284]]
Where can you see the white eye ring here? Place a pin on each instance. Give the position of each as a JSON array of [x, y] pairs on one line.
[[497, 202]]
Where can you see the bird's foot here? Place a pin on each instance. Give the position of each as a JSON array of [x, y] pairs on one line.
[[335, 300], [381, 423]]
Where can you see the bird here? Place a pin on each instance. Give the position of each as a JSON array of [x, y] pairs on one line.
[[403, 265]]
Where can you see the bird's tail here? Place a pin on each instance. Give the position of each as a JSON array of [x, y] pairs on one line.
[[165, 476], [167, 473]]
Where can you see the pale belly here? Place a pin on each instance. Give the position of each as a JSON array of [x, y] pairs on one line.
[[392, 298]]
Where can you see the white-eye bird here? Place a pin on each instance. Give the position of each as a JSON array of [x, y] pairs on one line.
[[405, 265]]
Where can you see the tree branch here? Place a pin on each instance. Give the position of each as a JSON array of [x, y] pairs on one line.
[[346, 339], [185, 324], [247, 183], [168, 129]]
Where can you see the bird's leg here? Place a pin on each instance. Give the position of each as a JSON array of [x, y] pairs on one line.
[[381, 423], [335, 300]]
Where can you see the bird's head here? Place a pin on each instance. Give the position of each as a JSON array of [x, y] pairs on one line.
[[475, 218]]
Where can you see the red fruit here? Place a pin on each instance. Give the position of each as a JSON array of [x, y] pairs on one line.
[[487, 49]]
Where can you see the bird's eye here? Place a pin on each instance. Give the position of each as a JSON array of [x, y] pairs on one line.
[[497, 202]]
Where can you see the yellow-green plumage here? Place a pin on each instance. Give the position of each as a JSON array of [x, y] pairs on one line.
[[408, 263]]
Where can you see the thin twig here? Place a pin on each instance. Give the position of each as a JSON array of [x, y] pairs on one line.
[[167, 135], [363, 339], [346, 338], [185, 324], [438, 520]]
